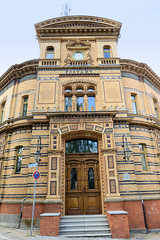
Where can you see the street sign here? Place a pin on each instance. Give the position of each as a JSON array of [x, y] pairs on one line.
[[32, 165], [36, 175]]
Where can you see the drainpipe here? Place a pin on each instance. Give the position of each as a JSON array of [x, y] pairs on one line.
[[144, 214], [19, 224]]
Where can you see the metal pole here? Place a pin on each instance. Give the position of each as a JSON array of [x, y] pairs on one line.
[[34, 202], [39, 147]]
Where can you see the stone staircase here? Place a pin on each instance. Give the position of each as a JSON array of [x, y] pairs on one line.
[[84, 226]]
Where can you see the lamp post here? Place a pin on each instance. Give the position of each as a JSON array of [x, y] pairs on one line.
[[126, 150], [37, 156]]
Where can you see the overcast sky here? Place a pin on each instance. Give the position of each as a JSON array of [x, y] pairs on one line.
[[140, 33]]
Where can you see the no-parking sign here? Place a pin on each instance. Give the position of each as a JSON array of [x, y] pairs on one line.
[[36, 175]]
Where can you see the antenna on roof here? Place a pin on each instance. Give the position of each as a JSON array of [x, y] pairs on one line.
[[66, 8]]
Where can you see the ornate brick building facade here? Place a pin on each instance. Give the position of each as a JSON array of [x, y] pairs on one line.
[[88, 106]]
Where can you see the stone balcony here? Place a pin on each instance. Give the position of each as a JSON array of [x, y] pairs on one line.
[[57, 62], [49, 62], [108, 61]]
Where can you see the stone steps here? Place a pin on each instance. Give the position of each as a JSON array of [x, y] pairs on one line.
[[84, 226]]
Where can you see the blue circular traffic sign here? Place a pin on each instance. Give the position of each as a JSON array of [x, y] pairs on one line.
[[36, 175]]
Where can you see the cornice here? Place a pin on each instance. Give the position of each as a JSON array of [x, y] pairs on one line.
[[78, 26], [140, 69], [78, 115], [49, 33], [78, 19], [17, 71]]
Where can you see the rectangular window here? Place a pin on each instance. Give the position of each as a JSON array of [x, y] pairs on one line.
[[19, 159], [79, 103], [134, 104], [25, 106], [142, 149], [2, 111], [107, 53], [50, 53], [155, 108], [91, 103], [68, 104]]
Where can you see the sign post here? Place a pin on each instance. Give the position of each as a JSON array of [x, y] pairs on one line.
[[36, 175]]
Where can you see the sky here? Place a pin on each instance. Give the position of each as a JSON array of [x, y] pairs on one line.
[[140, 32]]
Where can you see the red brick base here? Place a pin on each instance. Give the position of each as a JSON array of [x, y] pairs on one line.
[[135, 212], [118, 221], [134, 209], [49, 224]]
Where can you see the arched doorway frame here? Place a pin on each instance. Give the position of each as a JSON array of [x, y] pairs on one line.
[[86, 135]]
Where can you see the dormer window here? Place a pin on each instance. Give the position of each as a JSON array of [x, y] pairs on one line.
[[107, 52], [50, 53]]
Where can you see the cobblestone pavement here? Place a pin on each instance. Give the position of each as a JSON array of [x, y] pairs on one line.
[[19, 234]]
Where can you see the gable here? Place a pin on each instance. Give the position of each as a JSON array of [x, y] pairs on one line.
[[78, 22]]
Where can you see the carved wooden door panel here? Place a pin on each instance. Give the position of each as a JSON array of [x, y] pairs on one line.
[[92, 201], [82, 187], [74, 201]]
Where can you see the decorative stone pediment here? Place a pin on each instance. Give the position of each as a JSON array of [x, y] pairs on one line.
[[77, 26], [78, 22], [78, 44]]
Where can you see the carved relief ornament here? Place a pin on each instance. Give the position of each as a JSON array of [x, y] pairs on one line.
[[79, 46]]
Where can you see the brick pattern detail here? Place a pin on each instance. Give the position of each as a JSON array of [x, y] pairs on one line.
[[114, 206], [27, 210], [135, 214], [49, 226], [119, 225], [10, 208], [152, 210], [52, 208]]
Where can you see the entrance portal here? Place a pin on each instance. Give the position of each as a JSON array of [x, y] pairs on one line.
[[82, 183]]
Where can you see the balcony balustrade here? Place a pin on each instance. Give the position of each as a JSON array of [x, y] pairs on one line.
[[108, 61], [49, 62]]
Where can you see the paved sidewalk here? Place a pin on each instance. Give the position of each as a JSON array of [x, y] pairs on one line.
[[19, 234]]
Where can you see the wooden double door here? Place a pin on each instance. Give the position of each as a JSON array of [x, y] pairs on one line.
[[82, 184]]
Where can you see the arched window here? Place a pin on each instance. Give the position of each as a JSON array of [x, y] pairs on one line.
[[80, 103], [19, 151], [25, 106], [90, 89], [78, 97], [142, 149], [107, 52], [134, 103], [155, 102], [50, 53], [2, 111], [81, 146], [91, 103], [79, 89], [68, 89], [73, 179], [91, 184]]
